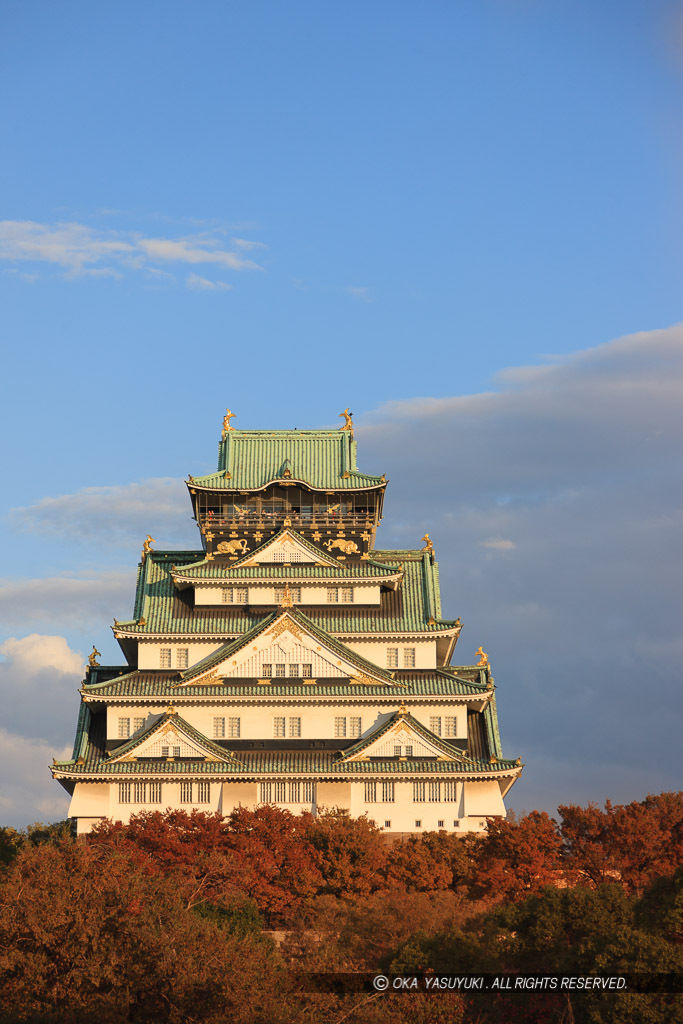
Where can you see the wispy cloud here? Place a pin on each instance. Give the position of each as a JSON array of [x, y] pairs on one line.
[[203, 284], [361, 294], [66, 602], [79, 249], [499, 544]]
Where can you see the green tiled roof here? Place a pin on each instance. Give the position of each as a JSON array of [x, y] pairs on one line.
[[152, 684], [405, 610], [323, 459], [420, 729], [183, 726]]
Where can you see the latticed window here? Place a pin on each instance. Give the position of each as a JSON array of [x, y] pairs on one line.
[[234, 595], [219, 728], [294, 670], [233, 728], [451, 725], [333, 595], [140, 792], [295, 727], [388, 792], [203, 792], [266, 792], [354, 727], [155, 792], [124, 792], [309, 792], [186, 792], [392, 657], [267, 669], [434, 792], [418, 792], [280, 671], [409, 657], [371, 792], [278, 727], [435, 724], [164, 751], [138, 724], [294, 593], [165, 657], [339, 727], [124, 728], [347, 595], [397, 751], [280, 792], [182, 656], [418, 823], [176, 751], [449, 791], [295, 792], [409, 752]]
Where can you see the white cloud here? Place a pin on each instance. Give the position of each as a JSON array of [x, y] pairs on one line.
[[203, 284], [66, 601], [361, 294], [244, 243], [79, 249], [29, 793], [36, 652], [499, 544], [39, 680]]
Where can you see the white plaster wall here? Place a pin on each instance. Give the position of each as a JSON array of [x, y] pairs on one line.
[[239, 794], [483, 798], [376, 651], [264, 594], [149, 652], [334, 794], [89, 799]]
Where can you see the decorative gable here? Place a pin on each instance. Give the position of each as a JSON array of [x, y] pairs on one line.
[[288, 547], [402, 736], [170, 736]]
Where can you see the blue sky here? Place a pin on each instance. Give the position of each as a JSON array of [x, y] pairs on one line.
[[289, 209]]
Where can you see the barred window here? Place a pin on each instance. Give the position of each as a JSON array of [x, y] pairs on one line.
[[451, 725], [124, 792], [294, 593], [295, 792], [293, 670], [309, 792], [176, 751], [165, 657], [140, 792], [164, 751], [203, 792], [278, 727], [449, 791], [435, 724], [434, 792], [241, 595], [354, 727], [234, 595], [181, 657], [124, 728], [387, 824], [307, 670], [347, 595], [388, 792], [155, 792], [440, 823], [409, 657], [339, 727], [418, 792], [333, 595], [138, 724], [280, 671], [392, 657], [409, 751], [186, 792], [266, 792], [371, 792], [295, 727], [397, 751], [418, 823], [280, 792], [233, 728], [267, 669], [219, 728]]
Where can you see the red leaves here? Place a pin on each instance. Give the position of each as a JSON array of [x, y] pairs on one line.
[[518, 857]]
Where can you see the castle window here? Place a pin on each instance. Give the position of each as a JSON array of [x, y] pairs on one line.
[[218, 728], [164, 751], [435, 724], [339, 727], [140, 791], [392, 657], [124, 728], [418, 792], [397, 751], [354, 727], [278, 727], [451, 726], [267, 669], [138, 724], [307, 670], [295, 792], [176, 751], [280, 792], [155, 792], [309, 792], [409, 751], [449, 791], [234, 595], [333, 595], [418, 823], [294, 593], [294, 670], [233, 728], [387, 824], [387, 792], [371, 792], [295, 727], [434, 792], [266, 792], [280, 671], [409, 657], [181, 657], [186, 792], [347, 595], [165, 657], [124, 792], [440, 823], [203, 792]]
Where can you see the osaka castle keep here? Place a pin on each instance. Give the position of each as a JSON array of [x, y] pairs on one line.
[[289, 661]]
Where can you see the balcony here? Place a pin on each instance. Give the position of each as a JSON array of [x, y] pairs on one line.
[[219, 521]]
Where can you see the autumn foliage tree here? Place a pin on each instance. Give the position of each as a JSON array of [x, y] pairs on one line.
[[518, 857]]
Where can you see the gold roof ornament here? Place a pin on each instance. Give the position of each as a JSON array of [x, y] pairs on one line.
[[170, 710], [429, 546], [92, 658], [483, 657], [147, 546], [287, 598], [403, 710], [226, 422], [348, 422]]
